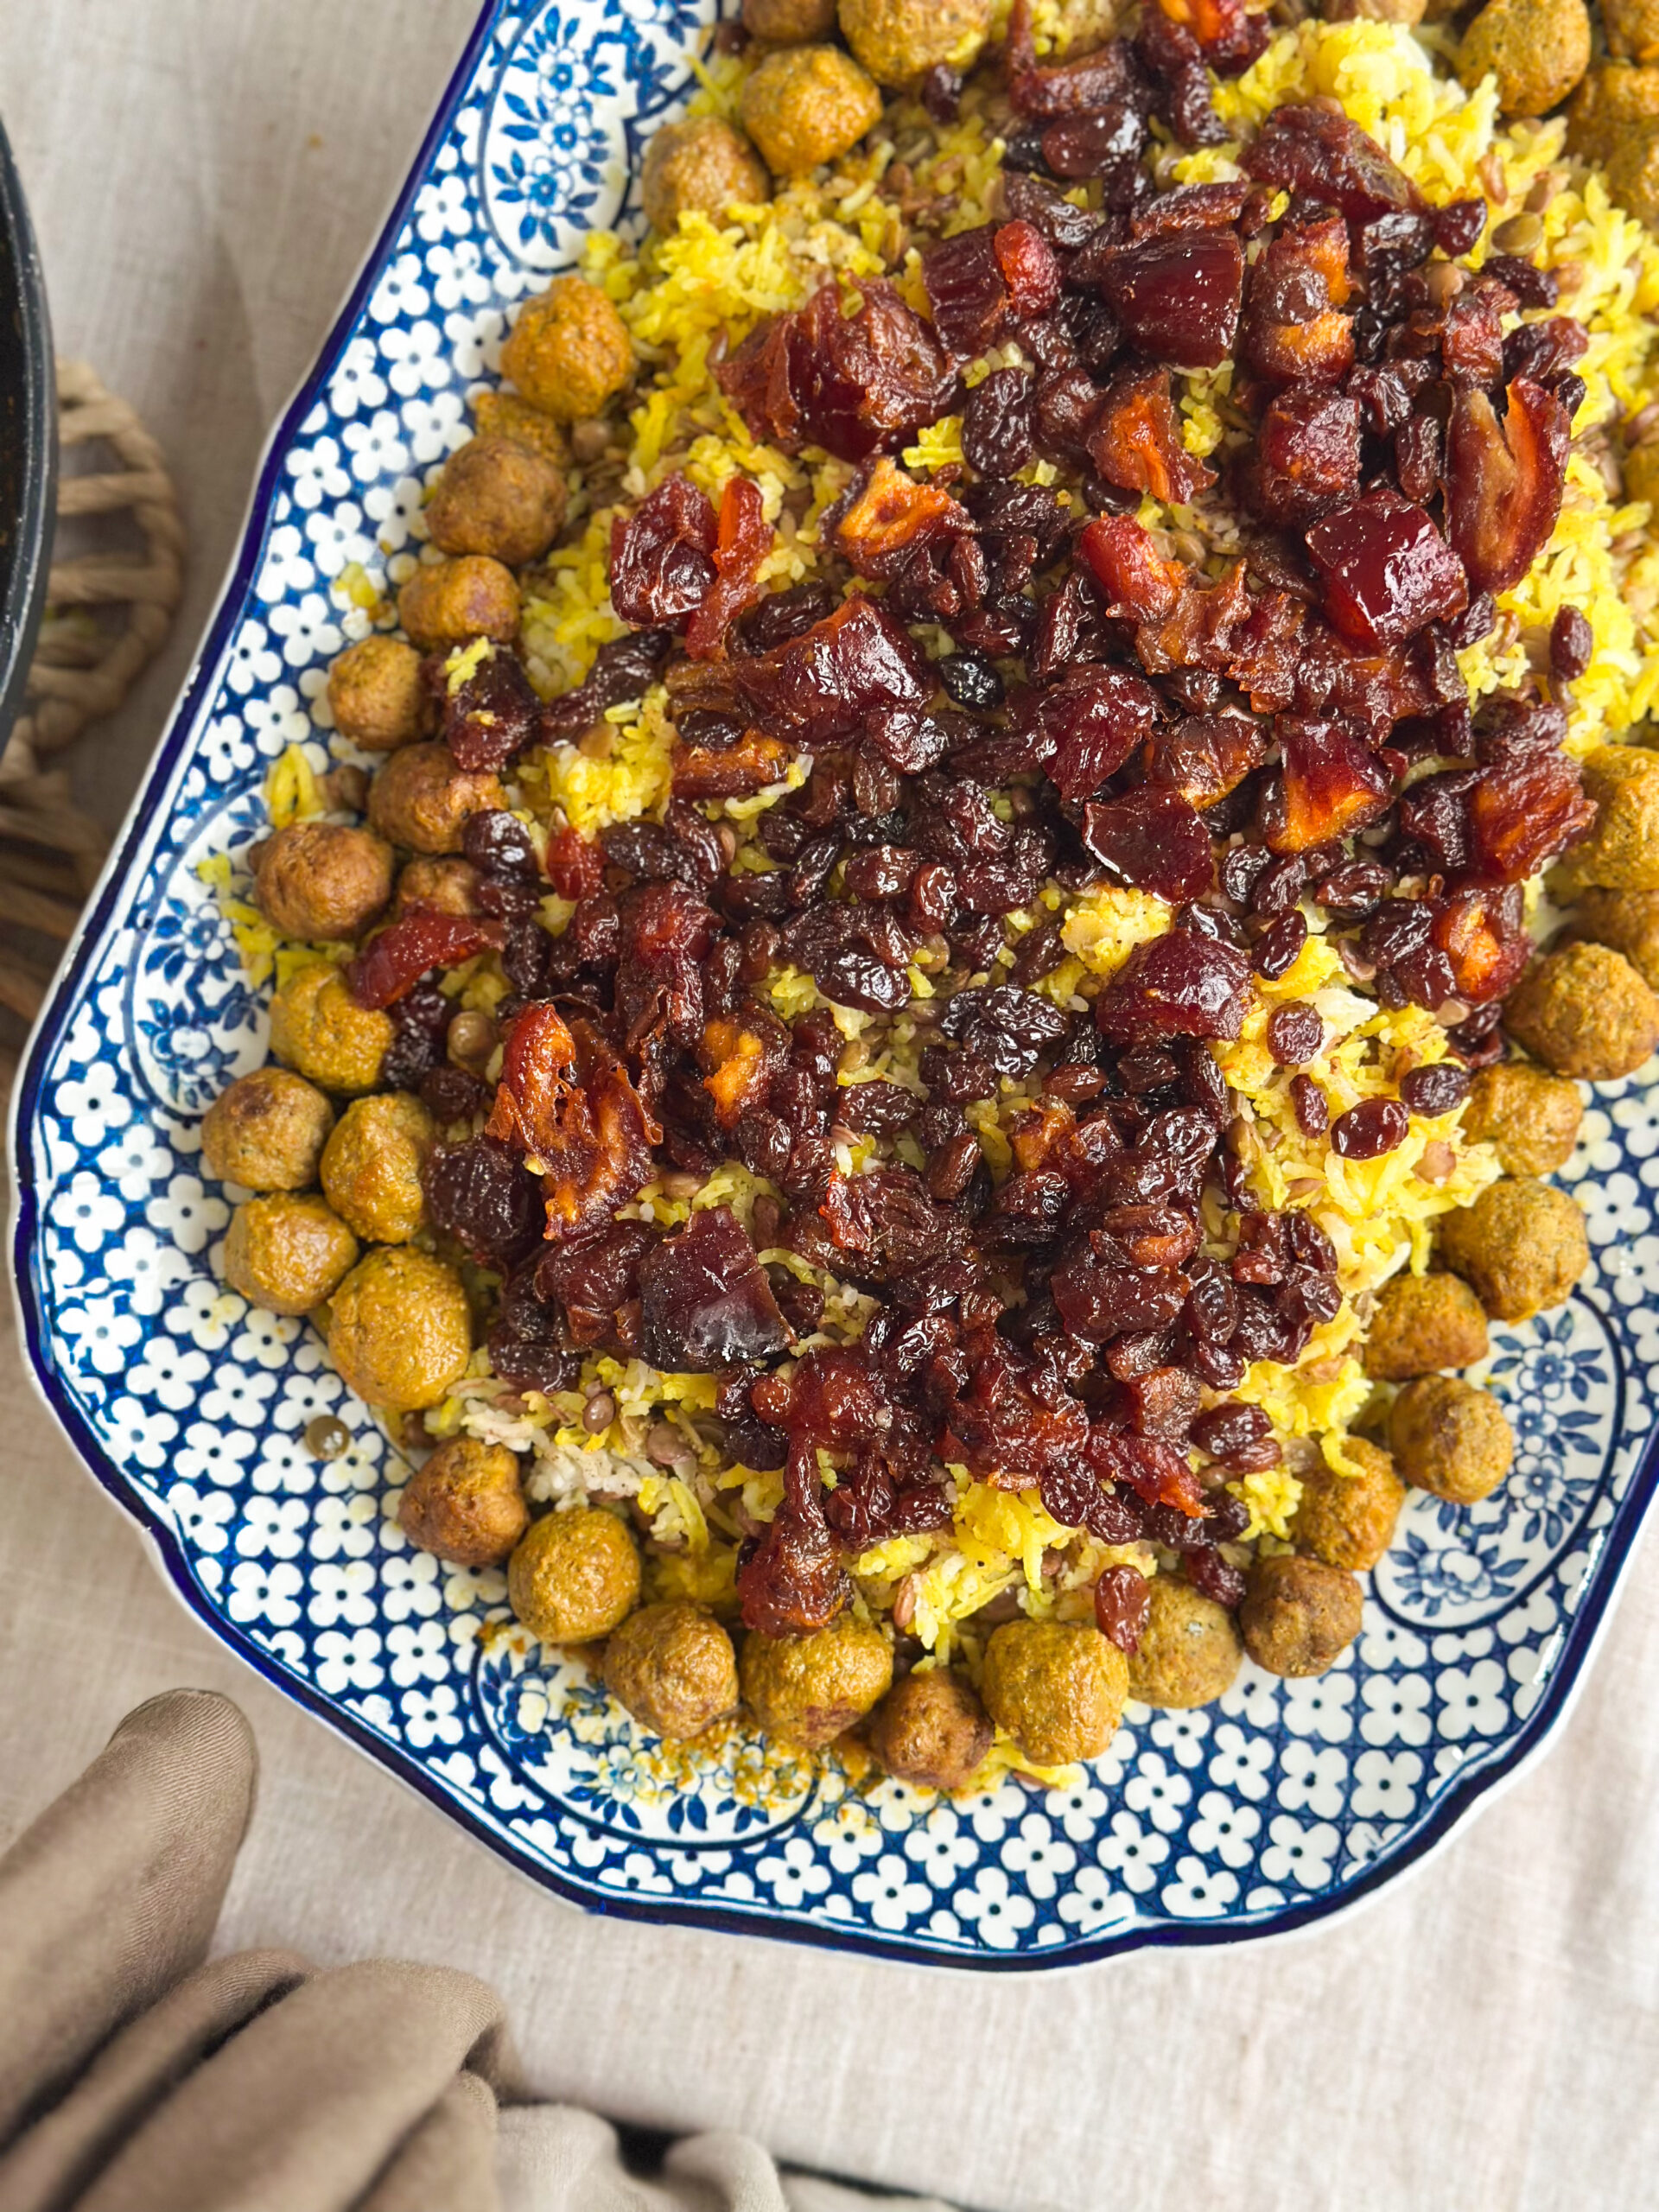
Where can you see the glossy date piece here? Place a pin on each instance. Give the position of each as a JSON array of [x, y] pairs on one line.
[[742, 541], [817, 689], [663, 555], [1154, 840], [1135, 439], [1524, 811], [1033, 201], [1323, 154], [885, 516], [1177, 297], [1306, 455], [1086, 726], [1069, 88], [1331, 784], [1104, 142], [1179, 985], [494, 714], [395, 959], [705, 1301], [1481, 935], [1385, 570], [1205, 756], [1503, 481], [1294, 328], [1134, 577]]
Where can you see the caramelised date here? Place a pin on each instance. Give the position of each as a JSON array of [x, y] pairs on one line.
[[1306, 455], [663, 555], [1177, 297], [1331, 784], [1503, 481], [1179, 985], [855, 384], [1086, 726], [1154, 840], [705, 1301], [1319, 152], [493, 714], [1385, 570], [819, 687], [1135, 439]]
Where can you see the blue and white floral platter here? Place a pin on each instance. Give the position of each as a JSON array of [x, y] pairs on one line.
[[1282, 1804]]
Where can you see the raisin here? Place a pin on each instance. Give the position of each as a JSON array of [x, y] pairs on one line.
[[1571, 642], [1278, 947], [1312, 1105], [482, 1194], [1212, 1578], [1436, 1090], [1369, 1129], [1178, 985], [997, 434], [1295, 1034], [1354, 890], [971, 681], [1122, 1605]]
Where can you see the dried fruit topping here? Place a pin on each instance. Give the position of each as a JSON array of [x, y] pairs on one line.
[[1086, 726], [1369, 1129], [731, 771], [1522, 813], [1503, 481], [1153, 839], [1181, 985], [1295, 327], [885, 516], [705, 1301], [1135, 439], [394, 959], [1204, 757], [1122, 1605], [855, 384], [1482, 937], [622, 671], [663, 555], [491, 714], [482, 1194], [1385, 570], [792, 1582], [1177, 296], [1070, 88], [1318, 151], [1306, 455], [566, 1101], [818, 687], [742, 541], [1133, 575], [1331, 785]]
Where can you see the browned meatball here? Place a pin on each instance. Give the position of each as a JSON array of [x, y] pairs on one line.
[[673, 1666], [1348, 1520], [286, 1252], [789, 22], [1585, 1012], [575, 1576], [451, 602], [504, 415], [806, 104], [377, 696], [321, 881], [1057, 1687], [420, 799], [1450, 1439], [1621, 852], [267, 1131], [899, 41], [931, 1730], [1530, 1116], [1626, 920], [569, 351], [1410, 12], [701, 166], [467, 1504], [318, 1027], [807, 1689], [1523, 1246], [1537, 50], [372, 1167], [1189, 1650], [1299, 1615], [399, 1330], [1421, 1323], [1614, 120], [497, 497], [448, 885], [1632, 27]]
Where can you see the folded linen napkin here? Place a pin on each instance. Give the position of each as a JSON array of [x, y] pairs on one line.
[[133, 2077]]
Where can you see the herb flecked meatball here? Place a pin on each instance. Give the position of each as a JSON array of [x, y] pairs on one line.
[[1614, 120], [1299, 1615], [1620, 852], [372, 1167], [286, 1252], [1537, 50], [807, 1689], [1423, 1323], [807, 105], [445, 886], [376, 693], [504, 415], [318, 1028], [931, 1730], [569, 351], [451, 602], [673, 1666], [575, 1576], [322, 882], [1530, 1117], [1584, 1011], [499, 498], [1632, 27], [467, 1504], [267, 1131], [1057, 1687], [1189, 1650], [1348, 1520], [1450, 1438], [1522, 1245], [789, 23], [422, 800], [701, 166], [899, 41], [1626, 920], [399, 1330]]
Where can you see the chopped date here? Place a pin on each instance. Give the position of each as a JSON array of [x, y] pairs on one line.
[[1086, 726], [1204, 757], [1069, 88], [1177, 296], [819, 687], [662, 555], [792, 1583], [1033, 200], [742, 541], [885, 516], [1133, 575], [1154, 840], [1385, 570], [1503, 481], [1180, 985], [1331, 784], [855, 384], [705, 1301], [394, 959], [1306, 455], [731, 772], [1102, 143], [1294, 327], [1135, 439], [1319, 152]]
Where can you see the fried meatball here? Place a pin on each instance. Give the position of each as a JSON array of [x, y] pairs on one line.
[[1299, 1615], [467, 1504], [899, 41], [1189, 1649], [1057, 1687], [806, 1689], [806, 104], [497, 497], [372, 1167], [575, 1576], [569, 351], [321, 881], [318, 1027], [931, 1730], [701, 166], [1537, 50], [1626, 920], [1585, 1012], [399, 1330], [1632, 27], [1348, 1520], [286, 1252], [422, 800], [1620, 852], [1421, 1323], [1530, 1116], [1410, 12], [789, 23], [1521, 1244], [446, 886], [451, 602], [1450, 1438], [673, 1666], [267, 1131], [1614, 120], [375, 694], [504, 415]]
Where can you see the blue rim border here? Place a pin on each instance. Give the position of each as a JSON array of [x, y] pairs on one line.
[[1462, 1798]]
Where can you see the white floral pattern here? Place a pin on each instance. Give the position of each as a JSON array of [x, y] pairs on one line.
[[1271, 1808]]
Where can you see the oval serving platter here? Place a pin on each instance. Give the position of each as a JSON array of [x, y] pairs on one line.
[[1282, 1804]]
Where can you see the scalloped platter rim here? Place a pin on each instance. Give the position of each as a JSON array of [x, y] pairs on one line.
[[1283, 1804]]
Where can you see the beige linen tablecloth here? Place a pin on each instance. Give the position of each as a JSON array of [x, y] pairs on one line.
[[206, 175]]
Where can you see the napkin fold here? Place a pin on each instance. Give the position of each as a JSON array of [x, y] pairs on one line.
[[137, 2076]]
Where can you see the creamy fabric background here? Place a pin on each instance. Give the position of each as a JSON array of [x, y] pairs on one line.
[[206, 175]]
